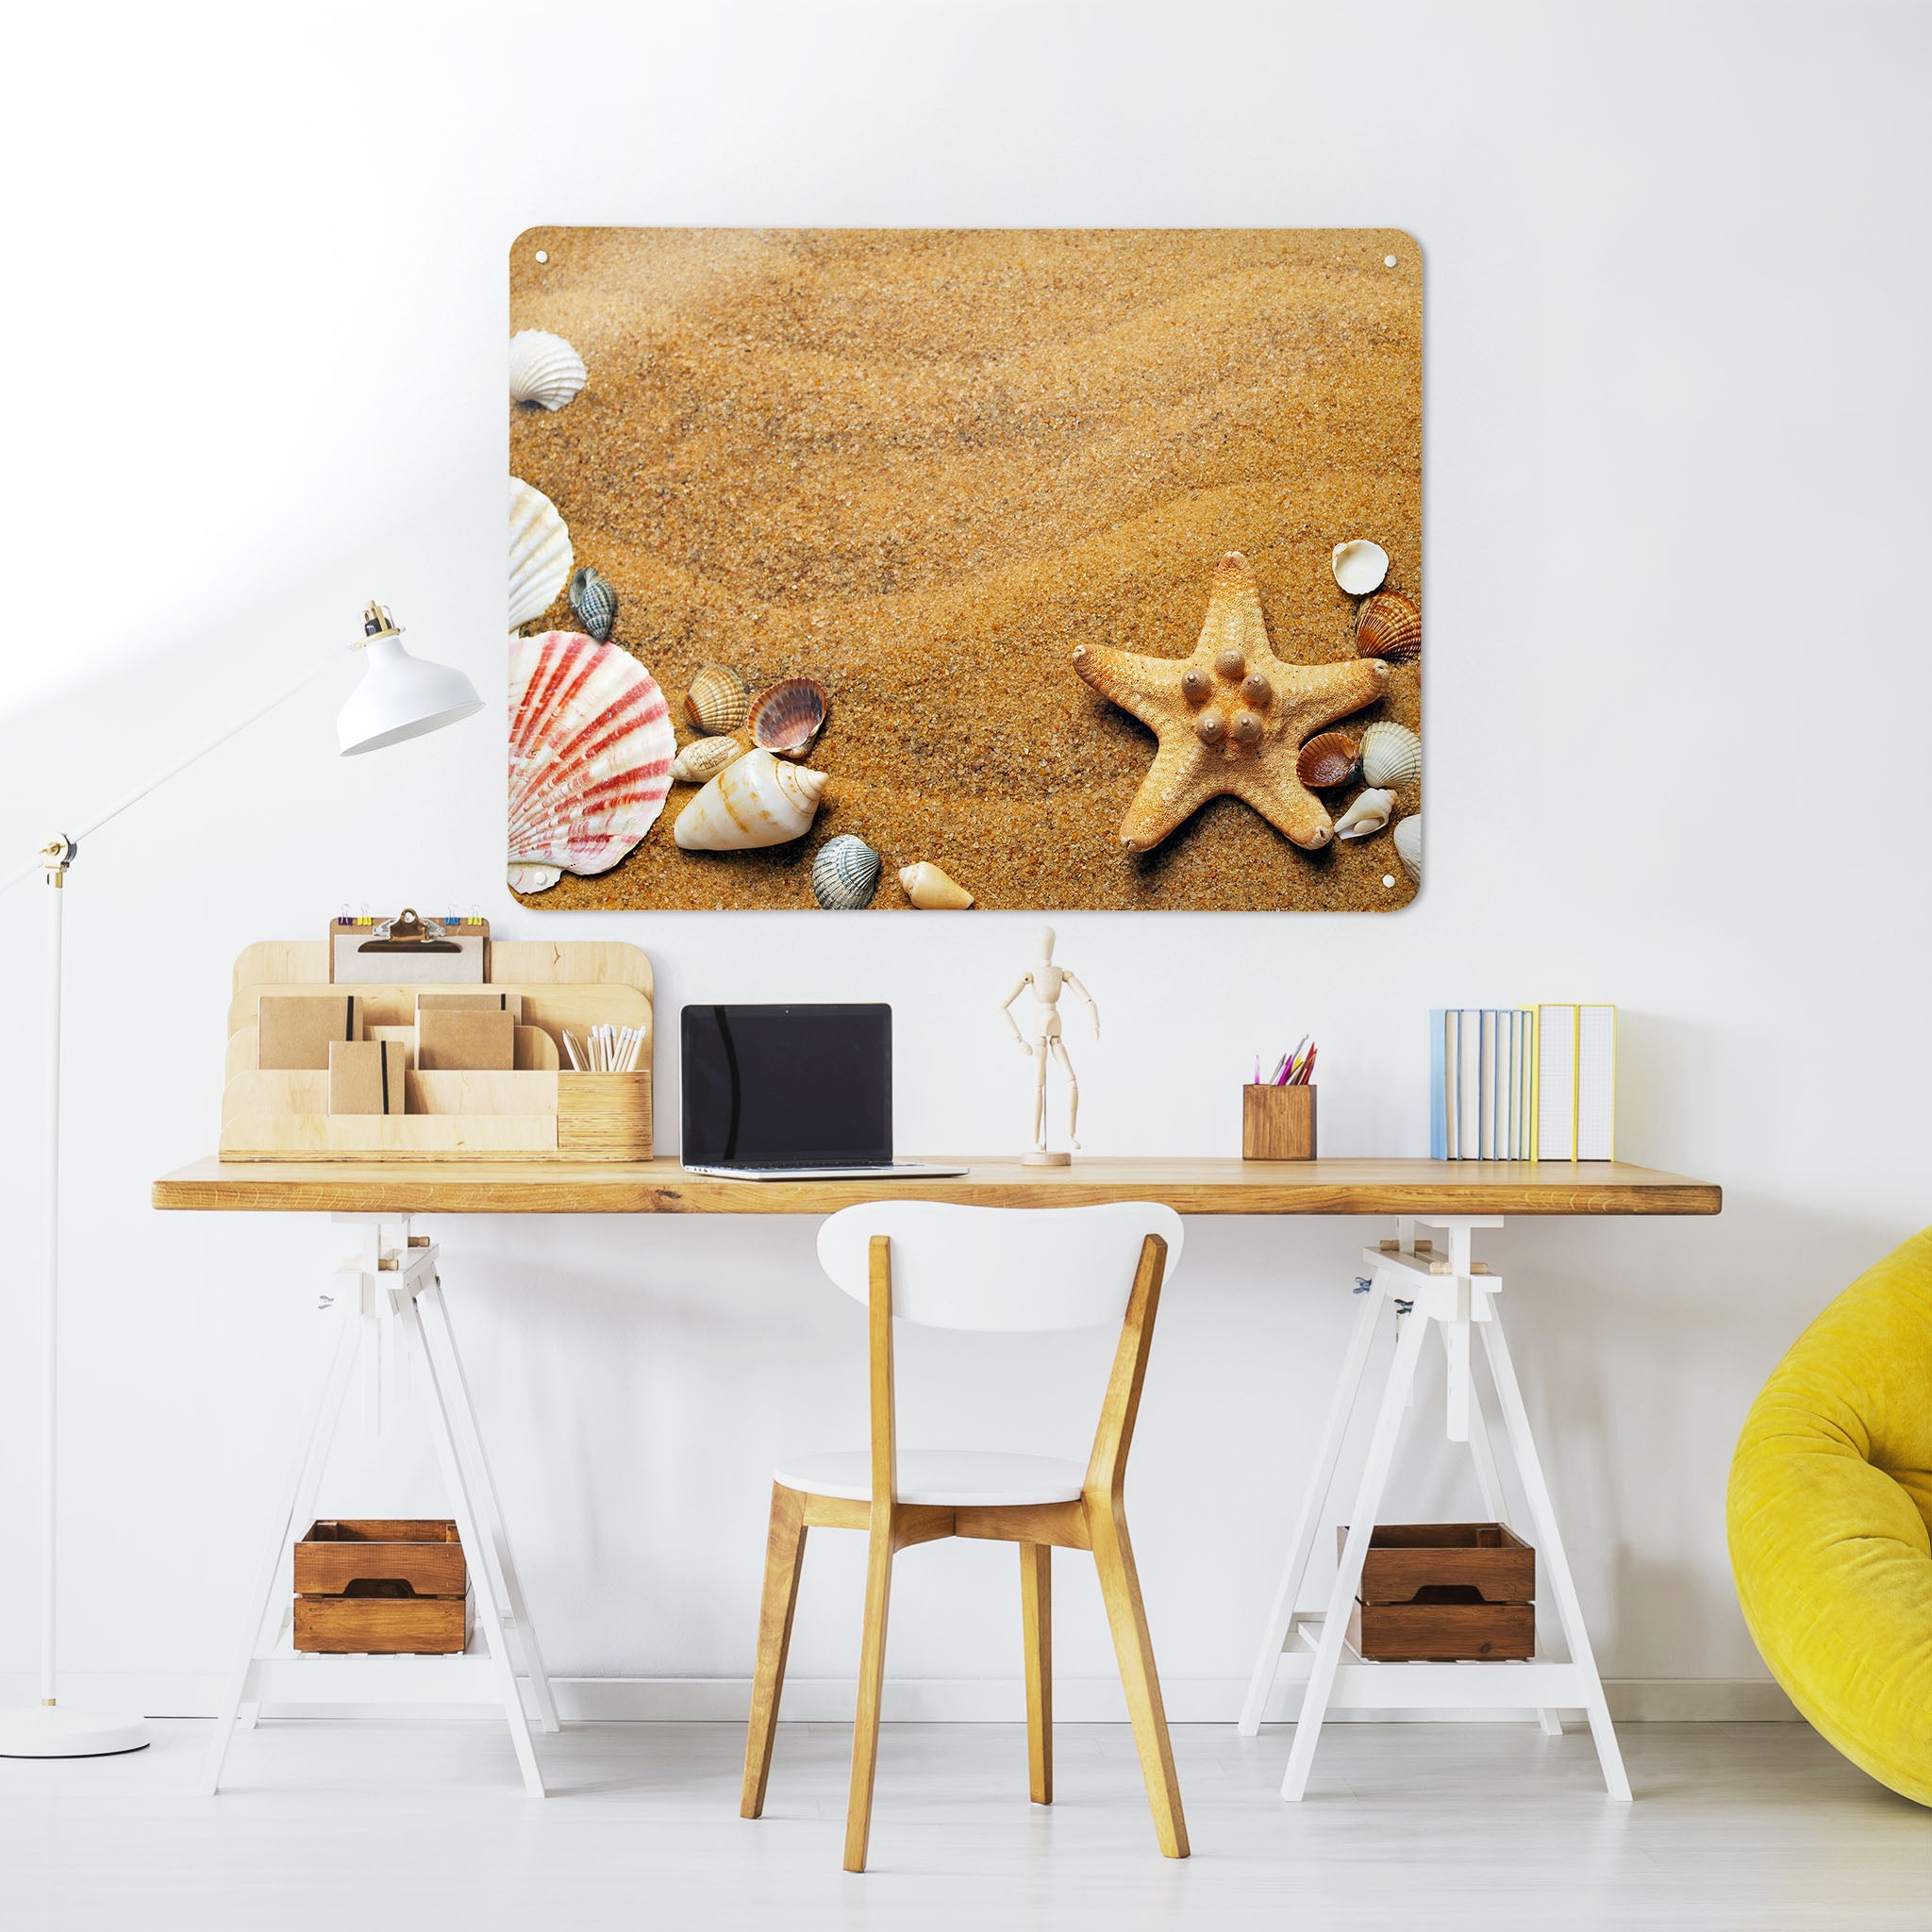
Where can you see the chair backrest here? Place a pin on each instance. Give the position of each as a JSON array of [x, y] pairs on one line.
[[1008, 1270]]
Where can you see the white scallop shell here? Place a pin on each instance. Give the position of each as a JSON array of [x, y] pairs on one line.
[[543, 368], [756, 800], [540, 553], [591, 746], [1359, 566], [1369, 813], [1408, 846], [1392, 755]]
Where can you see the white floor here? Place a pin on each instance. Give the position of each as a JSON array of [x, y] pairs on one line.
[[1414, 1825]]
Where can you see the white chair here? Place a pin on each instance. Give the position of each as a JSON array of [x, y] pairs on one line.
[[1012, 1271]]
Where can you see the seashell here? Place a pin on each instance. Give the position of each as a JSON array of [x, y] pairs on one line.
[[845, 873], [1408, 846], [717, 700], [1369, 813], [1389, 626], [1330, 759], [543, 368], [540, 556], [931, 890], [1392, 755], [756, 800], [1359, 566], [702, 760], [594, 602], [589, 755], [788, 718]]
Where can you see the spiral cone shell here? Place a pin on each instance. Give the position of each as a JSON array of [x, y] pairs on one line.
[[1367, 815], [931, 890], [758, 800], [702, 760]]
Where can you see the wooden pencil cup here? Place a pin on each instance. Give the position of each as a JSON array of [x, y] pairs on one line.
[[1277, 1122]]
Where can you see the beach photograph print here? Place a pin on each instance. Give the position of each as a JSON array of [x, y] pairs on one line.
[[916, 570]]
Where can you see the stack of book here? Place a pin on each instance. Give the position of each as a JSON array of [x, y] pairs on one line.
[[1522, 1083]]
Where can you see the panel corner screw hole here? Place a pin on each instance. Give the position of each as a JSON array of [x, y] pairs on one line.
[[1388, 881], [1387, 260], [544, 256]]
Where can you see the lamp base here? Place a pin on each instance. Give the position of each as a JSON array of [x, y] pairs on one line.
[[50, 1730]]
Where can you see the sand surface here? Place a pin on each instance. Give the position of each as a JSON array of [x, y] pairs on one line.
[[922, 466]]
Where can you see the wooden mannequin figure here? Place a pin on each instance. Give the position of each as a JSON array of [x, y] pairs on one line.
[[1046, 979]]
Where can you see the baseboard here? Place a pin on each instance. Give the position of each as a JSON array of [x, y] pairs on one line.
[[941, 1699]]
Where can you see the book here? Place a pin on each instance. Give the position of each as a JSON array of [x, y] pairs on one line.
[[1486, 1092], [1597, 1083], [1470, 1085], [1439, 1084], [1556, 1083]]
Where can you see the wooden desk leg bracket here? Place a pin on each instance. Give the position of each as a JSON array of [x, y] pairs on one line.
[[1423, 1288], [390, 1292]]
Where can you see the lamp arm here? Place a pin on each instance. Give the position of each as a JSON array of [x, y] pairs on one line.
[[174, 771]]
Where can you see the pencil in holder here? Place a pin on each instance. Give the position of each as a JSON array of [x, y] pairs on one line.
[[1277, 1122]]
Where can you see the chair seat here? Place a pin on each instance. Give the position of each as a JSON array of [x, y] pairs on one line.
[[950, 1478]]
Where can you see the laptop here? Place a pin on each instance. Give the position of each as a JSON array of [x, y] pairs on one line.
[[791, 1093]]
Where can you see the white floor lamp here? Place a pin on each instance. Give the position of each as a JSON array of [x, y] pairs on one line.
[[399, 697]]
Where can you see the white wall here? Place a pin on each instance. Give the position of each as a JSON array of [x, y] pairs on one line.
[[1677, 412]]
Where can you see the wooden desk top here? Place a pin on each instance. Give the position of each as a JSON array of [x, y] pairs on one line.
[[1190, 1187]]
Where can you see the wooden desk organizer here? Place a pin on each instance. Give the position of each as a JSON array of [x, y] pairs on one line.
[[538, 1112]]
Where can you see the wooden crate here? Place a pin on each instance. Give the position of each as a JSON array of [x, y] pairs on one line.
[[1444, 1592], [385, 1585]]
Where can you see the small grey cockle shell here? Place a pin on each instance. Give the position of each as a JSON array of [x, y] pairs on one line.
[[845, 873]]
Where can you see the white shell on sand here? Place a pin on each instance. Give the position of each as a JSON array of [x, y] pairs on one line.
[[539, 554], [931, 890], [1392, 755], [543, 368], [1408, 846], [758, 800], [1359, 566], [1368, 814], [589, 755], [703, 759]]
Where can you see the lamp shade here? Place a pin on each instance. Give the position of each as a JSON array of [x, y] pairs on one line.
[[400, 696]]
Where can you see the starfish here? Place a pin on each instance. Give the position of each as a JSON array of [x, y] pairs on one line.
[[1232, 718]]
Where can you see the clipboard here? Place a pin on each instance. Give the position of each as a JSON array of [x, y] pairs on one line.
[[447, 952]]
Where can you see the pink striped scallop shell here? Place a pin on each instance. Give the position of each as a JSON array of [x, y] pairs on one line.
[[590, 748]]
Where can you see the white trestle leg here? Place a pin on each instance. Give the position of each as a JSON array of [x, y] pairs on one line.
[[390, 1307], [1448, 1291]]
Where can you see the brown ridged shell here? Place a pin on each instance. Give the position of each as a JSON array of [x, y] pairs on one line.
[[717, 701], [1330, 759], [788, 716], [1389, 626]]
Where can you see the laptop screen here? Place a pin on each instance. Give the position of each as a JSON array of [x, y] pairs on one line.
[[787, 1085]]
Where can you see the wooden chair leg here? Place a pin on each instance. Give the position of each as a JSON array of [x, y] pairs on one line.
[[784, 1554], [1035, 1618], [871, 1681], [1120, 1587]]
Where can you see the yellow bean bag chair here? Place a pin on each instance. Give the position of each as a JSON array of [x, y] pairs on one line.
[[1831, 1493]]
